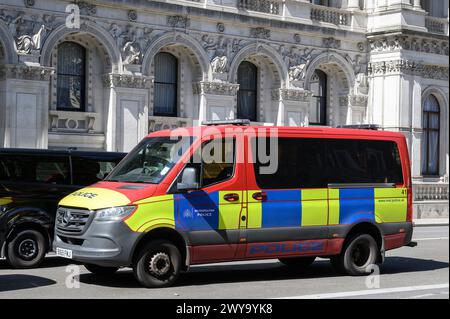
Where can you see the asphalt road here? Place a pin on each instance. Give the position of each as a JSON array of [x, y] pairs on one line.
[[420, 272]]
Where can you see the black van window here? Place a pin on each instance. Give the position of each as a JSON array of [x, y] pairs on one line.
[[363, 161], [87, 171], [300, 163], [41, 169]]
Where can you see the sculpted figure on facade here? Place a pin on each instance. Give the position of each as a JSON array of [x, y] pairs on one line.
[[11, 22], [220, 50], [296, 61], [31, 33], [132, 51]]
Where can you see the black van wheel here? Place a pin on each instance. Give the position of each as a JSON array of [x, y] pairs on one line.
[[99, 270], [158, 264], [26, 249], [358, 254], [297, 262]]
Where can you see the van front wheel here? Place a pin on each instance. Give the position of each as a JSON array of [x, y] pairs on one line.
[[358, 256], [158, 264]]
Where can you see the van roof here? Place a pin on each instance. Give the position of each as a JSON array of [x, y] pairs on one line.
[[221, 129]]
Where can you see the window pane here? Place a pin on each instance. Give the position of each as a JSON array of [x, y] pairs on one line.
[[433, 152], [218, 161], [360, 161], [165, 99], [71, 76], [247, 94], [300, 163], [430, 136], [318, 104], [87, 171]]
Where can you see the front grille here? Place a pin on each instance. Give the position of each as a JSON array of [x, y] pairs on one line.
[[72, 221]]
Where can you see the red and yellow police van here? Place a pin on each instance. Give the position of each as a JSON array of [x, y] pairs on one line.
[[228, 192]]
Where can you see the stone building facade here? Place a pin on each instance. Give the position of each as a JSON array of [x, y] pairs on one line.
[[101, 74]]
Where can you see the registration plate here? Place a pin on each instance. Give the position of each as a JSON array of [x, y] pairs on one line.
[[65, 253]]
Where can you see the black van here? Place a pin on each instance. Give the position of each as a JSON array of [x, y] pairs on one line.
[[31, 184]]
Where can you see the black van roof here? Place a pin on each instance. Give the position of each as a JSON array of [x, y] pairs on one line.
[[32, 151]]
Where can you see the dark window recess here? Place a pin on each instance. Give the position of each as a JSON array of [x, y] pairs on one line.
[[166, 84], [35, 169], [430, 136], [87, 171], [318, 107], [71, 77], [247, 94], [315, 163]]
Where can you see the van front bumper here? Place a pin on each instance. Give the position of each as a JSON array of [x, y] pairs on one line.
[[108, 244]]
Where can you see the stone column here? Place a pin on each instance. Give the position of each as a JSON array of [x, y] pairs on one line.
[[293, 106], [217, 100], [127, 113], [24, 105], [357, 108], [417, 4]]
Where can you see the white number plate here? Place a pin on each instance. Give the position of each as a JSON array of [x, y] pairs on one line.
[[65, 253]]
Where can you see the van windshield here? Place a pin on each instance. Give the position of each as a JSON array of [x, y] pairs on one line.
[[151, 160]]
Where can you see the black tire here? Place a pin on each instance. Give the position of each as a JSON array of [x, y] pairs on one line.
[[26, 249], [100, 270], [158, 264], [298, 262], [360, 252]]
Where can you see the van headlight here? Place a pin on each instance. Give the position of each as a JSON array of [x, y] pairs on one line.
[[114, 213]]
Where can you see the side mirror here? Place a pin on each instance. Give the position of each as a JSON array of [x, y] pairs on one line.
[[188, 180]]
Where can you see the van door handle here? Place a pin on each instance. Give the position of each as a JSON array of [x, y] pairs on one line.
[[232, 197], [262, 196]]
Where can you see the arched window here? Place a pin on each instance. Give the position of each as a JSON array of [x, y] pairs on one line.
[[247, 94], [318, 107], [430, 137], [166, 84], [71, 77]]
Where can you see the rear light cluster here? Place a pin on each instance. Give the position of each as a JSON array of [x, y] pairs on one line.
[[409, 210]]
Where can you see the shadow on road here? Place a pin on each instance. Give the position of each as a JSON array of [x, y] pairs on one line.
[[17, 282], [49, 262], [231, 273], [396, 265]]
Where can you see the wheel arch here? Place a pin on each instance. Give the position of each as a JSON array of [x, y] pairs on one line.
[[166, 233], [370, 228]]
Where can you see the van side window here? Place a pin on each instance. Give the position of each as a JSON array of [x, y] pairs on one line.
[[363, 161], [32, 169], [87, 171], [300, 163], [218, 160]]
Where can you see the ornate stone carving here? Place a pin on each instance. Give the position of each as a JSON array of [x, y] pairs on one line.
[[220, 50], [291, 95], [178, 21], [132, 15], [220, 27], [330, 15], [296, 61], [260, 33], [86, 9], [127, 80], [394, 43], [29, 3], [25, 72], [331, 43], [409, 67], [216, 88], [131, 40]]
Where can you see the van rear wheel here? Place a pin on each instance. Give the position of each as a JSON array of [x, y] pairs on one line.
[[297, 262], [158, 264], [358, 256], [26, 249]]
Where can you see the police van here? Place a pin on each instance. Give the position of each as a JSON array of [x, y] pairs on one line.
[[230, 191]]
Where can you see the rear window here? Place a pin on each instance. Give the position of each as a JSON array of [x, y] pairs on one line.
[[316, 163]]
